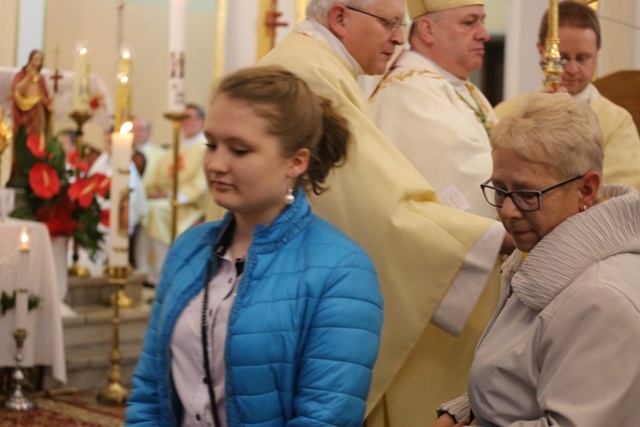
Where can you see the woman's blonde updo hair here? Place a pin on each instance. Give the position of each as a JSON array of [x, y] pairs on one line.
[[296, 116]]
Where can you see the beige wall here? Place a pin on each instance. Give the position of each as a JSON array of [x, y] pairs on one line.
[[8, 24], [145, 30]]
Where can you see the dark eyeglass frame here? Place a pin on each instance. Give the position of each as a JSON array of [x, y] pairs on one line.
[[390, 24], [510, 194]]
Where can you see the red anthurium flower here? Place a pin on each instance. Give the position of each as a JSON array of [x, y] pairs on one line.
[[94, 103], [58, 217], [102, 183], [74, 160], [104, 217], [36, 145], [44, 181], [82, 190]]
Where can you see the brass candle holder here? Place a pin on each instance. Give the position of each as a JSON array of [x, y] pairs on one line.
[[80, 118], [176, 118], [114, 392], [17, 401], [551, 65]]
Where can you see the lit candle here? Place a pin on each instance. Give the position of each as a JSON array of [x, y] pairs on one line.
[[119, 197], [177, 21], [123, 89], [81, 79], [22, 293]]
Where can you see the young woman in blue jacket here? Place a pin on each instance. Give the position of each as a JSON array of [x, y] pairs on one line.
[[272, 316]]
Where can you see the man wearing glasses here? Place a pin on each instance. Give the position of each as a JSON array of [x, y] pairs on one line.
[[429, 258], [429, 109], [580, 40]]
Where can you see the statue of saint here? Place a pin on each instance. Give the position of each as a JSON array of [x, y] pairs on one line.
[[32, 105]]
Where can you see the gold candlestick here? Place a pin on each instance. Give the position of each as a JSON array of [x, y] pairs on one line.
[[17, 400], [80, 117], [177, 119], [551, 65], [114, 392]]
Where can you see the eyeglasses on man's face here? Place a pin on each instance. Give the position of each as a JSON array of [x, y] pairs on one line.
[[525, 200], [390, 24]]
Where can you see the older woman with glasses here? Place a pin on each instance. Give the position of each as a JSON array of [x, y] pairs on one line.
[[562, 348]]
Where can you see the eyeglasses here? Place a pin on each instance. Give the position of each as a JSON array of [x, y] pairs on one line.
[[525, 200], [390, 24]]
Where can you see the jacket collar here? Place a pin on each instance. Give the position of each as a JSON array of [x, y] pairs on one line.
[[284, 228], [581, 240]]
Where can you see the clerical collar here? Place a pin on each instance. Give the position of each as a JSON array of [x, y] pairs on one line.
[[319, 32]]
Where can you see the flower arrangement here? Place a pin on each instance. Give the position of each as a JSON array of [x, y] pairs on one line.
[[60, 194]]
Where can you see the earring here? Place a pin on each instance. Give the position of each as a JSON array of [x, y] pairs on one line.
[[583, 208], [289, 198]]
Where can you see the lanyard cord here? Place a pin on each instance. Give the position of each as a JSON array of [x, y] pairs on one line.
[[205, 347], [220, 247]]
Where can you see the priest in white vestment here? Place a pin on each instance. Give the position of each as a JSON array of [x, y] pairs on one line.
[[429, 109], [429, 258]]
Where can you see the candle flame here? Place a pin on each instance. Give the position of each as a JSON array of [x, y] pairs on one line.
[[126, 54], [83, 51], [24, 238], [124, 79], [126, 128]]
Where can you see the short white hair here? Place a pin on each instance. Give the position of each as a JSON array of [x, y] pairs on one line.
[[319, 9], [555, 130]]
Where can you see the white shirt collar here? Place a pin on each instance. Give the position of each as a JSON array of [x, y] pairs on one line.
[[317, 31], [198, 138], [588, 94]]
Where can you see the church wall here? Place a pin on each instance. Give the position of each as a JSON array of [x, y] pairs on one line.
[[620, 43], [145, 30], [8, 28]]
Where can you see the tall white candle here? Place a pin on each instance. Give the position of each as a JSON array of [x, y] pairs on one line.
[[81, 96], [177, 26], [123, 89], [22, 293], [119, 197]]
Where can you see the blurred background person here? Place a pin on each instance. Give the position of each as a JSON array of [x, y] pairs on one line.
[[580, 41], [191, 197]]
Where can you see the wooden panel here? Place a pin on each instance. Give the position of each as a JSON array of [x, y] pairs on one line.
[[623, 88]]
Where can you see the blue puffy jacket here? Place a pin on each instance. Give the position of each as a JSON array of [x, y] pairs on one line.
[[303, 332]]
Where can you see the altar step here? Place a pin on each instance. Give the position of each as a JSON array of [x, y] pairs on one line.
[[88, 336]]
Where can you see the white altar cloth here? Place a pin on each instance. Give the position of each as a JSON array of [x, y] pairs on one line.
[[45, 341]]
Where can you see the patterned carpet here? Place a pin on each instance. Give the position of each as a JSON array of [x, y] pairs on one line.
[[76, 410]]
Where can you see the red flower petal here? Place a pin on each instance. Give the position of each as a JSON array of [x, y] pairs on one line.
[[36, 145], [104, 217], [58, 217], [74, 160], [102, 182], [82, 190], [44, 181]]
